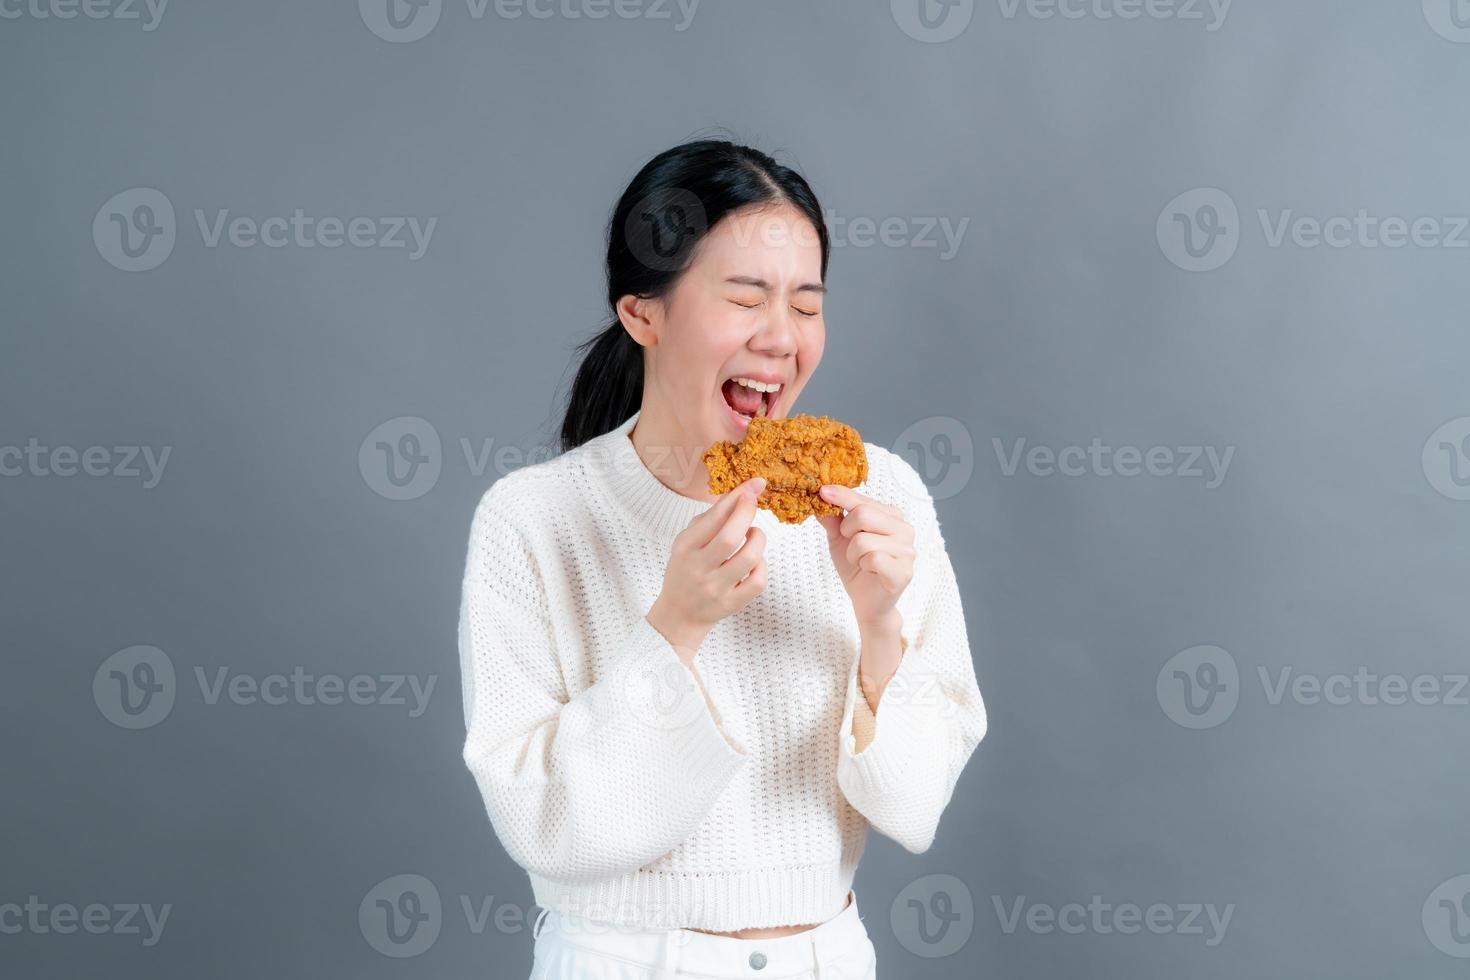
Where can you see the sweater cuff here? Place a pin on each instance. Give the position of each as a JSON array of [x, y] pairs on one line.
[[907, 725], [662, 693]]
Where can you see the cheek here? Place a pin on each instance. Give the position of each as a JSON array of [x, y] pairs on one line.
[[708, 338], [809, 350]]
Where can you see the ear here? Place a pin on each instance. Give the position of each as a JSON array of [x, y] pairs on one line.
[[640, 317]]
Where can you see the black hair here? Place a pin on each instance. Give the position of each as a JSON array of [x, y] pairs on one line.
[[667, 208]]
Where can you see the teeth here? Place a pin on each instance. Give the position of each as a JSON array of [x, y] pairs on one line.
[[757, 385]]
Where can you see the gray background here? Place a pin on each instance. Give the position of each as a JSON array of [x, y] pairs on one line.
[[1331, 830]]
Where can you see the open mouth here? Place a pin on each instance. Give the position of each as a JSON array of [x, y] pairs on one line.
[[746, 398]]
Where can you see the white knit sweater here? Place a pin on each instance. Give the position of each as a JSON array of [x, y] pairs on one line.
[[737, 795]]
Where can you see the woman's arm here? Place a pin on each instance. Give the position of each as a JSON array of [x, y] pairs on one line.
[[898, 765], [588, 786]]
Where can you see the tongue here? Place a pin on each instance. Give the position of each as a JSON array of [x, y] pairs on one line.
[[746, 401]]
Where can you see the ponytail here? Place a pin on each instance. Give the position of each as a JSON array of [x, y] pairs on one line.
[[608, 387]]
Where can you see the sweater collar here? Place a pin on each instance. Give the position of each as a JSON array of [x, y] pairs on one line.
[[662, 511]]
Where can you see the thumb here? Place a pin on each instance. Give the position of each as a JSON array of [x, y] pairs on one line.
[[836, 543], [832, 524]]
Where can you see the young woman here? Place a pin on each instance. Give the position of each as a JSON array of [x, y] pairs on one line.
[[682, 714]]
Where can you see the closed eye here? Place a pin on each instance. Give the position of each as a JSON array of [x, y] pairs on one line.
[[753, 306]]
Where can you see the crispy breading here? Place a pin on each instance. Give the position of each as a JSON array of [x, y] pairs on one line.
[[797, 456]]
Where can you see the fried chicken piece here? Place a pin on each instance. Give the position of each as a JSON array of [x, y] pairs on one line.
[[797, 456]]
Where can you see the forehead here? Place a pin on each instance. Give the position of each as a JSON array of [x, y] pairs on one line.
[[775, 237]]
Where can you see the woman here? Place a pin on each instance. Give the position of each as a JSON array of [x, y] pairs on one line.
[[682, 714]]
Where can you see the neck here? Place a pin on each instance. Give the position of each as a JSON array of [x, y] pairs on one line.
[[663, 504], [672, 455]]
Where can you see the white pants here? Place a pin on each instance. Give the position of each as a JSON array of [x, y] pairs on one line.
[[569, 947]]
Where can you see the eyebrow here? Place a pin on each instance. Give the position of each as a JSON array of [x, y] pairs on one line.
[[809, 287]]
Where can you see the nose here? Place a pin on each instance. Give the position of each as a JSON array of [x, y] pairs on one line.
[[777, 335]]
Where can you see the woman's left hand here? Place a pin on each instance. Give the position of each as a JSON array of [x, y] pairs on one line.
[[872, 548]]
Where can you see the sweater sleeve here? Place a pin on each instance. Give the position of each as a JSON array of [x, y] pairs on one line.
[[898, 765], [592, 785]]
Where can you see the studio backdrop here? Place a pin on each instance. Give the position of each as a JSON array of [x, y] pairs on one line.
[[1165, 299]]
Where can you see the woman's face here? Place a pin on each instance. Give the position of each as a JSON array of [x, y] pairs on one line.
[[749, 306]]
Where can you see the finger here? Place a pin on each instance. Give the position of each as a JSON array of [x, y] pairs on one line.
[[755, 581], [842, 496], [729, 508], [872, 516], [885, 566], [864, 542], [740, 564], [845, 497]]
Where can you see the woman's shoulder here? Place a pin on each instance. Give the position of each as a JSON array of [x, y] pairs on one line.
[[537, 494]]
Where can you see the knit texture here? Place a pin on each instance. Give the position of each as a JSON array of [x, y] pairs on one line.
[[637, 791]]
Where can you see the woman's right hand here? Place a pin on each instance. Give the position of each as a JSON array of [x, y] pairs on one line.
[[716, 566]]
